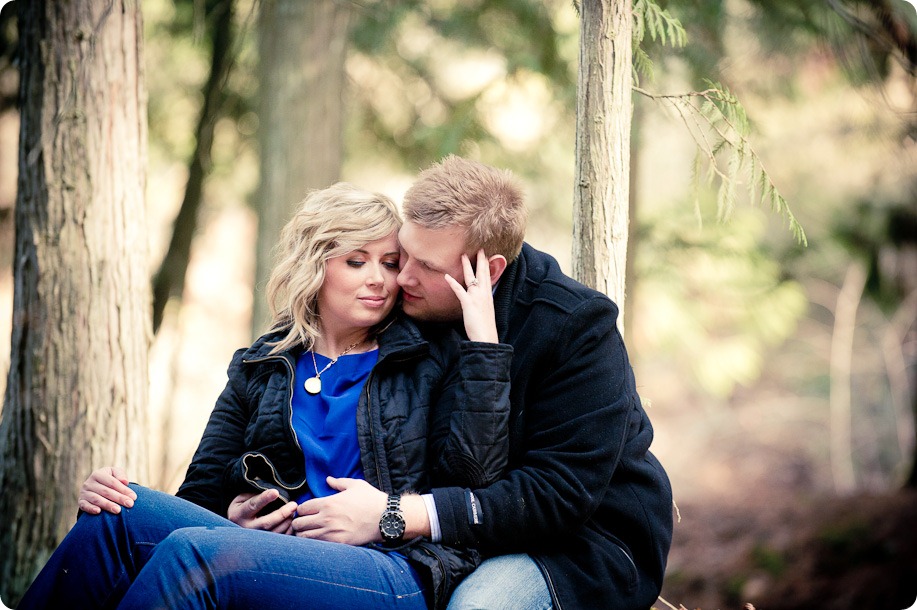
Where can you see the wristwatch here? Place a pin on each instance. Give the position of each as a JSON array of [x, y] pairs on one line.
[[392, 524]]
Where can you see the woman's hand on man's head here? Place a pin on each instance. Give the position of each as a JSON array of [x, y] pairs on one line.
[[477, 300]]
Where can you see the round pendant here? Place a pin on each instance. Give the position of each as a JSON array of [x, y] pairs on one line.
[[313, 385]]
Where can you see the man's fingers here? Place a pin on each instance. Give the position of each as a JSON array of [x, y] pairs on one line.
[[306, 524]]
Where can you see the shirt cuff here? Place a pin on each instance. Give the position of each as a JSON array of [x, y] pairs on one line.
[[436, 535]]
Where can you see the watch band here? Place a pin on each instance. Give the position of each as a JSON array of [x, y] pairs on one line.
[[392, 524]]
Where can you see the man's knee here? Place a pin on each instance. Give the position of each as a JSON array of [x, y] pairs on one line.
[[509, 582]]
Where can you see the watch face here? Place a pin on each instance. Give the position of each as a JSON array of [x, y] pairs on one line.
[[392, 525]]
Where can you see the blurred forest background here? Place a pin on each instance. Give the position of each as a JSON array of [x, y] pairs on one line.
[[780, 377]]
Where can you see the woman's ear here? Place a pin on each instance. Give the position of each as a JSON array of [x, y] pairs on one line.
[[497, 264]]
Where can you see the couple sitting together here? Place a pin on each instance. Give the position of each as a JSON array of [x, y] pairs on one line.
[[438, 417]]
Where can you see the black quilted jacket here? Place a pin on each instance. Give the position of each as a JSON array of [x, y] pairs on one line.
[[582, 493], [249, 443]]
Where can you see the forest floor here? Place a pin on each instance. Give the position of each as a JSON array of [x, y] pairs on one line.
[[781, 550]]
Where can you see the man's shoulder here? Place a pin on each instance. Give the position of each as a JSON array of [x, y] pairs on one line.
[[546, 283]]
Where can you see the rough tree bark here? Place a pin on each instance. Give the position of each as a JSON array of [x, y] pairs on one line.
[[603, 119], [78, 380], [303, 46]]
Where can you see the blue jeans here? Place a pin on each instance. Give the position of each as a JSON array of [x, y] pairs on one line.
[[506, 582], [168, 553]]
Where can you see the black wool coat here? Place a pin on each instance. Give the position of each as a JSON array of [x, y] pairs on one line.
[[582, 493], [249, 443]]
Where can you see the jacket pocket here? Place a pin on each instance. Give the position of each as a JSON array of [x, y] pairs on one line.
[[620, 556]]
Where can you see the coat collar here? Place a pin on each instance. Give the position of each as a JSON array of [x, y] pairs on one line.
[[507, 289]]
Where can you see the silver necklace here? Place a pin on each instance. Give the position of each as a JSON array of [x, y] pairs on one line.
[[313, 385]]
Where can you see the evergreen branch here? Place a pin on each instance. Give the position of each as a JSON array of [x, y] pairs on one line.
[[642, 64], [719, 126], [661, 25]]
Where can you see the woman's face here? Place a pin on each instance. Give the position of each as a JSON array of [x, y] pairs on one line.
[[360, 287]]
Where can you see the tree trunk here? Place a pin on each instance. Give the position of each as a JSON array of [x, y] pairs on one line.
[[169, 281], [603, 118], [77, 387], [302, 49], [840, 398], [633, 202]]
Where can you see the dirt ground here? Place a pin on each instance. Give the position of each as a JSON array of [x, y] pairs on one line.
[[784, 551]]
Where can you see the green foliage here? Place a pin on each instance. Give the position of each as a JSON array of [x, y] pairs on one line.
[[770, 560], [650, 19], [721, 131], [715, 119], [433, 78], [718, 301]]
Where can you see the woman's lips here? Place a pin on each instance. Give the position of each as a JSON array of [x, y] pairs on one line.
[[374, 301]]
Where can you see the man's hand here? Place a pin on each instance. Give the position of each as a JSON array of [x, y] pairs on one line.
[[477, 299], [350, 516], [106, 489], [245, 508]]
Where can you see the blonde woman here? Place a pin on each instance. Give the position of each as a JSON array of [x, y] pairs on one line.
[[337, 395]]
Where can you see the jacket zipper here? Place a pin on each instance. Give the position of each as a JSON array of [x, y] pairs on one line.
[[289, 422], [290, 404], [372, 425], [442, 567], [367, 391]]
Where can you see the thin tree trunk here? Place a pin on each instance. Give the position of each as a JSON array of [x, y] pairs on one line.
[[603, 120], [845, 312], [902, 380], [630, 275], [169, 281], [77, 387], [303, 46]]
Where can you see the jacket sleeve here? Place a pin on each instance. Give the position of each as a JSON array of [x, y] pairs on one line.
[[223, 442], [578, 402], [469, 422]]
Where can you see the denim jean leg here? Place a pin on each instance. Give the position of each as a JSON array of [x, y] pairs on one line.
[[100, 556], [506, 582], [196, 568]]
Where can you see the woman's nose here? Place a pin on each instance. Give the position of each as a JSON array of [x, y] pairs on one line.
[[375, 276]]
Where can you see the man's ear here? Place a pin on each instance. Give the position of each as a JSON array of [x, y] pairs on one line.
[[497, 264]]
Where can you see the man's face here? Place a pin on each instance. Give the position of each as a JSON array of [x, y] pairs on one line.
[[426, 256]]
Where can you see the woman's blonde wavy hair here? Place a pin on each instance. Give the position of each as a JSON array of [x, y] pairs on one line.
[[328, 223]]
